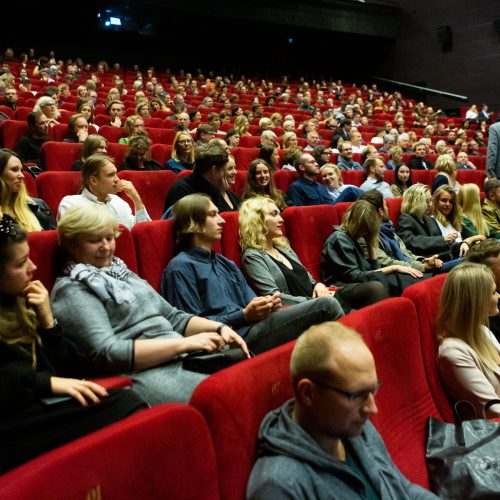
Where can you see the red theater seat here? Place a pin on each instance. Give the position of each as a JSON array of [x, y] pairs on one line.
[[230, 238], [425, 296], [54, 186], [154, 242], [307, 228], [234, 402], [60, 155], [284, 178], [30, 184], [244, 156], [161, 452], [60, 131], [472, 176], [394, 207], [152, 187], [249, 141], [112, 134], [117, 152], [11, 131], [341, 208], [161, 153], [354, 177], [404, 401]]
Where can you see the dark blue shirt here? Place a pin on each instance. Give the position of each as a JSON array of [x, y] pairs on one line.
[[306, 192], [208, 285]]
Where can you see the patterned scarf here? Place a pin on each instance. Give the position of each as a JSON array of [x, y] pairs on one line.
[[106, 282]]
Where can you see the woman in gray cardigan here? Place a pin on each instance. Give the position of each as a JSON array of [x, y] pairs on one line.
[[268, 262]]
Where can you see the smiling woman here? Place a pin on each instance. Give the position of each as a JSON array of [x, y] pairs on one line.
[[32, 214], [260, 183]]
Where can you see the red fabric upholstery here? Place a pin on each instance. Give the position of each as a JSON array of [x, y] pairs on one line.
[[307, 228], [117, 152], [425, 296], [234, 402], [11, 131], [112, 134], [160, 135], [354, 177], [243, 156], [22, 112], [154, 242], [240, 181], [60, 155], [230, 238], [389, 176], [113, 382], [250, 141], [283, 179], [161, 153], [54, 186], [7, 111], [125, 249], [161, 452], [59, 131], [404, 401], [341, 209], [479, 161], [394, 207], [30, 183], [472, 176], [423, 176], [152, 187]]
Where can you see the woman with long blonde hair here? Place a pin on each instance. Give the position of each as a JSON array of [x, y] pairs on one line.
[[32, 214], [469, 354], [473, 222]]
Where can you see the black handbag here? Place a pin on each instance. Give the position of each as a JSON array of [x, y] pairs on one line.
[[211, 362], [463, 459]]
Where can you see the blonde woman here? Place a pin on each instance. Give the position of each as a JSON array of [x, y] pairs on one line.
[[182, 153], [469, 354], [473, 222], [289, 140], [241, 125], [331, 177], [31, 214], [448, 215], [134, 124], [447, 173], [268, 262]]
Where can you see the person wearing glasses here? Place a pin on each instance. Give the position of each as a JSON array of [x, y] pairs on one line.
[[182, 153], [321, 444], [48, 107], [344, 159]]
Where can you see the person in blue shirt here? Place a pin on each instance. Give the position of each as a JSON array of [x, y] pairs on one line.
[[200, 281]]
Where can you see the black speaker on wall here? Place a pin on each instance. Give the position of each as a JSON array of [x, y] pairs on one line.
[[445, 38], [496, 25]]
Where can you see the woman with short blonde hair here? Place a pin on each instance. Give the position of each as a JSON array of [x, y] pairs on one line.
[[447, 173], [469, 353]]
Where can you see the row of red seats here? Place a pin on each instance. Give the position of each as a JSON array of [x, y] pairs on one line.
[[194, 447]]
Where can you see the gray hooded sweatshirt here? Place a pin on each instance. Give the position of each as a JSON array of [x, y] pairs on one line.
[[291, 465]]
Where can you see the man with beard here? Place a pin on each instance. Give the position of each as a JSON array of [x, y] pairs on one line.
[[374, 171]]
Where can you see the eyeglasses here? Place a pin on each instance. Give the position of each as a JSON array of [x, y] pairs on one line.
[[358, 396], [185, 141]]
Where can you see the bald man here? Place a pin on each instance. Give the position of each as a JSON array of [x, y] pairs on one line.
[[321, 444]]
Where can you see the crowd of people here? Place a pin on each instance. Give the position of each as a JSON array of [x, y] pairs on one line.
[[101, 310]]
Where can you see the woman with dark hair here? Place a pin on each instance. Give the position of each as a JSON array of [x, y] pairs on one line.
[[182, 153], [84, 107], [271, 157], [402, 180], [260, 183], [229, 199], [32, 214], [232, 138], [94, 143], [40, 407]]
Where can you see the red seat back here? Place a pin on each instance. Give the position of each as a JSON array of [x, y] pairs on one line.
[[54, 186], [161, 153], [307, 228], [11, 131], [234, 402], [404, 401], [152, 187], [425, 296], [60, 155], [154, 242], [472, 176], [394, 207], [112, 134], [230, 237], [117, 152], [354, 177], [160, 135], [284, 178], [244, 156], [30, 183], [172, 441]]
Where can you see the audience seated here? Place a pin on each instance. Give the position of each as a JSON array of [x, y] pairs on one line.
[[260, 183], [228, 199], [321, 441], [418, 161], [446, 211], [39, 365], [48, 107], [491, 205], [447, 173], [344, 159], [30, 145], [118, 320], [469, 353], [32, 214], [100, 186], [93, 144], [473, 222], [134, 124], [402, 180], [138, 155], [331, 177], [78, 129], [374, 172], [199, 281], [183, 153], [268, 262]]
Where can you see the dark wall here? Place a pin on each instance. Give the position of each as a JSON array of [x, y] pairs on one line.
[[471, 67]]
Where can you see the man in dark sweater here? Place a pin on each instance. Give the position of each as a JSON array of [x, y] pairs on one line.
[[30, 145]]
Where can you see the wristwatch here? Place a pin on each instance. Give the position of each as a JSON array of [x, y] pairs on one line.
[[220, 327]]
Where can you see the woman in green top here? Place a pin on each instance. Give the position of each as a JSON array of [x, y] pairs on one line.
[[134, 124], [473, 222]]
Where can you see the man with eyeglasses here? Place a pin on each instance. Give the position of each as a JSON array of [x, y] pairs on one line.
[[344, 159], [321, 444]]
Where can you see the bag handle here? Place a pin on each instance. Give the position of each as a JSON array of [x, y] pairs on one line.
[[459, 431], [489, 404]]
